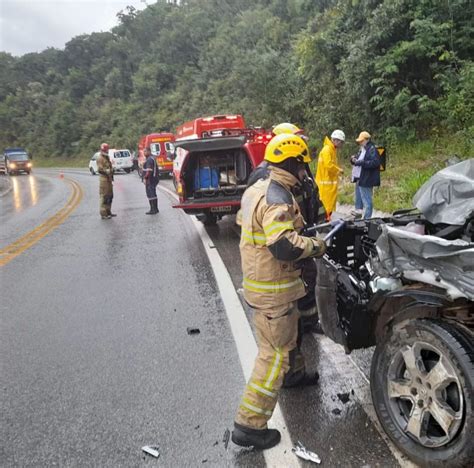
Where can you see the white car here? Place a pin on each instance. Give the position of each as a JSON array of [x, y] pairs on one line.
[[121, 160]]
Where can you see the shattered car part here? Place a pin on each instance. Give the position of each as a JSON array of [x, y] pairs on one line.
[[427, 259], [300, 451], [405, 283], [152, 450], [448, 197], [226, 438]]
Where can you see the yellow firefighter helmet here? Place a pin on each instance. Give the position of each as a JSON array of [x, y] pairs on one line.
[[286, 127], [284, 146]]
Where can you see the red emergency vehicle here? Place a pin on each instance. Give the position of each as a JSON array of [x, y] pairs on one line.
[[214, 158], [161, 146]]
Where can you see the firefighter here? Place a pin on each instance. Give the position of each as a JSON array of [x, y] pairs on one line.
[[106, 190], [261, 171], [151, 179], [328, 171], [307, 197], [270, 248]]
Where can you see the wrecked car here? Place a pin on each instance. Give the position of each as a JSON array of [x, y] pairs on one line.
[[405, 284]]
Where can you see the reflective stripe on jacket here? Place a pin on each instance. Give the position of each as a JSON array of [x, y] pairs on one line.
[[270, 244], [327, 175]]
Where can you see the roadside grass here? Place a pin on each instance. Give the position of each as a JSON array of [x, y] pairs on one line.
[[61, 162], [409, 166]]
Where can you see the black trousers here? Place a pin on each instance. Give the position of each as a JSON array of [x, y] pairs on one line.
[[150, 188]]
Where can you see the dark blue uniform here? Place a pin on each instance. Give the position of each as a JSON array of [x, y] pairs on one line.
[[150, 168]]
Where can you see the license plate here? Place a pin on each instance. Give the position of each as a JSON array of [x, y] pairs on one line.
[[221, 209]]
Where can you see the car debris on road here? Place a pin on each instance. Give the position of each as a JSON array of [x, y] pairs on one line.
[[152, 450], [300, 451]]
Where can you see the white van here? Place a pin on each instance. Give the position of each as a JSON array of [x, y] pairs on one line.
[[121, 160]]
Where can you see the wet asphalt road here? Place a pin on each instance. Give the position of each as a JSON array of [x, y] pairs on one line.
[[95, 357]]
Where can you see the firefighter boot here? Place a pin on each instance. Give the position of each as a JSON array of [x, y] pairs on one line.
[[150, 211], [261, 439], [300, 379]]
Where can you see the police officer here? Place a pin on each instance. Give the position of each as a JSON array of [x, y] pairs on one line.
[[151, 179], [271, 248], [106, 191]]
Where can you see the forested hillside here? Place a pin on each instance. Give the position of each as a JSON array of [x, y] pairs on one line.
[[402, 69]]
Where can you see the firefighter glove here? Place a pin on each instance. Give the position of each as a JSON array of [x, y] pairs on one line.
[[319, 247]]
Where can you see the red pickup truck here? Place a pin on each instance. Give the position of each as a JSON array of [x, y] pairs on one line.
[[214, 158]]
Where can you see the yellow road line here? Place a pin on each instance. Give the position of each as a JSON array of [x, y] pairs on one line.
[[11, 251]]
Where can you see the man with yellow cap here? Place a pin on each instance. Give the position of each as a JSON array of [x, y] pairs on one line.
[[365, 173], [271, 248], [328, 171]]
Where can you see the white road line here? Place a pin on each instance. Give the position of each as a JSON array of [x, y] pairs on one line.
[[281, 455]]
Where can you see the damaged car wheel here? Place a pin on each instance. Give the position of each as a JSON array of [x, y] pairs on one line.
[[422, 380]]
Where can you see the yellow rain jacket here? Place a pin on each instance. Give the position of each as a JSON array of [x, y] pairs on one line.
[[327, 175]]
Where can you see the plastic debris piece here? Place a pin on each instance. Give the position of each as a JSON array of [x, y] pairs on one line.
[[226, 438], [336, 411], [152, 450], [344, 397], [300, 451], [193, 331]]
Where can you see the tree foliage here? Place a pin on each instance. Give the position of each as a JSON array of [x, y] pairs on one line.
[[396, 67]]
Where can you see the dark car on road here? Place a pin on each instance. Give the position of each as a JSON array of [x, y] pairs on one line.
[[405, 284], [15, 160]]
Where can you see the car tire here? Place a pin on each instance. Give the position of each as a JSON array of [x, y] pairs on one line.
[[207, 218], [210, 219], [127, 170], [91, 169], [427, 412]]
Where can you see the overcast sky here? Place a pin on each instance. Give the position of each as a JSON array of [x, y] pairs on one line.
[[33, 25]]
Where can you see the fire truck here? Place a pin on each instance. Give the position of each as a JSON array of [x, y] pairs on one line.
[[214, 158], [161, 146]]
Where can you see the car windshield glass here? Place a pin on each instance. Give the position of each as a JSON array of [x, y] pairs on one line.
[[18, 157], [155, 149], [122, 154]]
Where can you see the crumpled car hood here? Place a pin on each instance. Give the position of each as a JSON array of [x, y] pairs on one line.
[[428, 259], [448, 197]]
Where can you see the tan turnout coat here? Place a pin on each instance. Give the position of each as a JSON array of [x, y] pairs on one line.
[[270, 218]]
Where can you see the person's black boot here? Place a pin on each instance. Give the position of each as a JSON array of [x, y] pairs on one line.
[[261, 439], [155, 206], [150, 211], [300, 379]]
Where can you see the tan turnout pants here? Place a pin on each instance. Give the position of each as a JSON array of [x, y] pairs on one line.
[[277, 332], [106, 195]]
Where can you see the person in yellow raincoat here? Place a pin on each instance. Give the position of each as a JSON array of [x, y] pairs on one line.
[[328, 171]]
